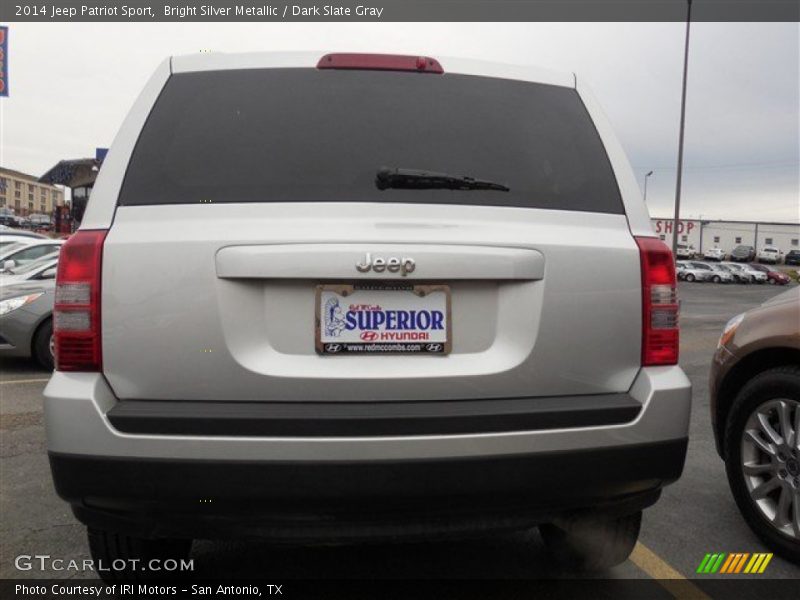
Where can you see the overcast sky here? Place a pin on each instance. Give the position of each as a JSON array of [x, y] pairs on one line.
[[72, 84]]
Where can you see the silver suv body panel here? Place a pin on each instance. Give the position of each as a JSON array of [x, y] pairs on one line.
[[243, 331]]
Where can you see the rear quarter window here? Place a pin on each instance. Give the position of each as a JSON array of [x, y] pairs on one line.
[[308, 135]]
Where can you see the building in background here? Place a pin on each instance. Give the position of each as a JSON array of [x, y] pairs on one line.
[[79, 175], [25, 195], [705, 234]]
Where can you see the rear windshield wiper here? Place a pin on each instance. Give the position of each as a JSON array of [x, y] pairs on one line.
[[417, 179]]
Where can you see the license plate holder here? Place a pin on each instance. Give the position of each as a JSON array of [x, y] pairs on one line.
[[382, 318]]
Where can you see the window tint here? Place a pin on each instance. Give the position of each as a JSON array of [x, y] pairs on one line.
[[308, 135]]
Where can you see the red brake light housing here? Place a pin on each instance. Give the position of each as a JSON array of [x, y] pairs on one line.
[[380, 62], [659, 303], [76, 313]]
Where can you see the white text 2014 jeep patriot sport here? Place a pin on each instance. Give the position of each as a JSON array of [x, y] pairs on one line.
[[347, 297]]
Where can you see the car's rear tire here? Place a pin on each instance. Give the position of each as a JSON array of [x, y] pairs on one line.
[[716, 279], [43, 345], [689, 278], [771, 281], [112, 548], [591, 543], [759, 401]]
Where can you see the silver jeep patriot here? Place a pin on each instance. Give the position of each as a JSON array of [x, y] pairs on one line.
[[348, 296]]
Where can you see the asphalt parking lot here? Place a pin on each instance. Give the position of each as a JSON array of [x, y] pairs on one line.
[[696, 515]]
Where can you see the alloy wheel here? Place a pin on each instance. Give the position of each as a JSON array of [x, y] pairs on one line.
[[771, 463]]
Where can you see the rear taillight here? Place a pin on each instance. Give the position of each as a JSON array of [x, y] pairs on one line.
[[76, 314], [659, 303]]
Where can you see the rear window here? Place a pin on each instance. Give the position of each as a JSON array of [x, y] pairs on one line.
[[308, 135]]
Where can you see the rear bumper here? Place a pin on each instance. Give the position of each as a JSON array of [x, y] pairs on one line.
[[359, 419], [323, 485], [287, 501]]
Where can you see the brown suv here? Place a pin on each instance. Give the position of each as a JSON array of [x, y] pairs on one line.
[[755, 411]]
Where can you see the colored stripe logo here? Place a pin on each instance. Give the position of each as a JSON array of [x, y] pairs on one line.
[[734, 563]]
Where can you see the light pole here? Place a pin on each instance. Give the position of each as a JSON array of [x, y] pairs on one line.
[[680, 134], [645, 184]]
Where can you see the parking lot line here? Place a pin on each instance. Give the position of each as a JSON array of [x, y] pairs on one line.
[[667, 576], [24, 381]]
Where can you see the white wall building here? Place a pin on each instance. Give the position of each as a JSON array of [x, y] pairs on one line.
[[706, 234]]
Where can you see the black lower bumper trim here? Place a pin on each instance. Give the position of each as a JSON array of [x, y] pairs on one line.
[[289, 499], [370, 418]]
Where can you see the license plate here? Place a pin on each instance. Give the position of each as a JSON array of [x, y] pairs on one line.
[[383, 319]]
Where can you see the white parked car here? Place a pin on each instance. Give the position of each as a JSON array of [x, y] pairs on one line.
[[44, 268], [10, 236], [714, 254], [692, 271], [746, 274], [22, 253], [721, 274], [684, 251], [770, 254], [758, 276]]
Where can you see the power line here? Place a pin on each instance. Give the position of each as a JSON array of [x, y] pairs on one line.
[[765, 165]]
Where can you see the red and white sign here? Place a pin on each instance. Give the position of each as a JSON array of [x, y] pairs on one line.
[[668, 225]]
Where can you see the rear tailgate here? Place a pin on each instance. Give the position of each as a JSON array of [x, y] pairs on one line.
[[543, 302], [248, 189]]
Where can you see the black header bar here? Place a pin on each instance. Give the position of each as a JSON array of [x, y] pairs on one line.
[[149, 11]]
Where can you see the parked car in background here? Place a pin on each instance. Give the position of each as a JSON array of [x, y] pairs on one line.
[[774, 276], [756, 276], [318, 433], [684, 251], [10, 236], [792, 257], [770, 254], [26, 324], [746, 274], [43, 268], [40, 221], [755, 412], [736, 276], [11, 243], [739, 274], [714, 254], [707, 273], [743, 254], [687, 271], [721, 274], [23, 253]]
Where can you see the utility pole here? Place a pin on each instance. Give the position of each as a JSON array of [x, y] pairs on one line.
[[680, 134]]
